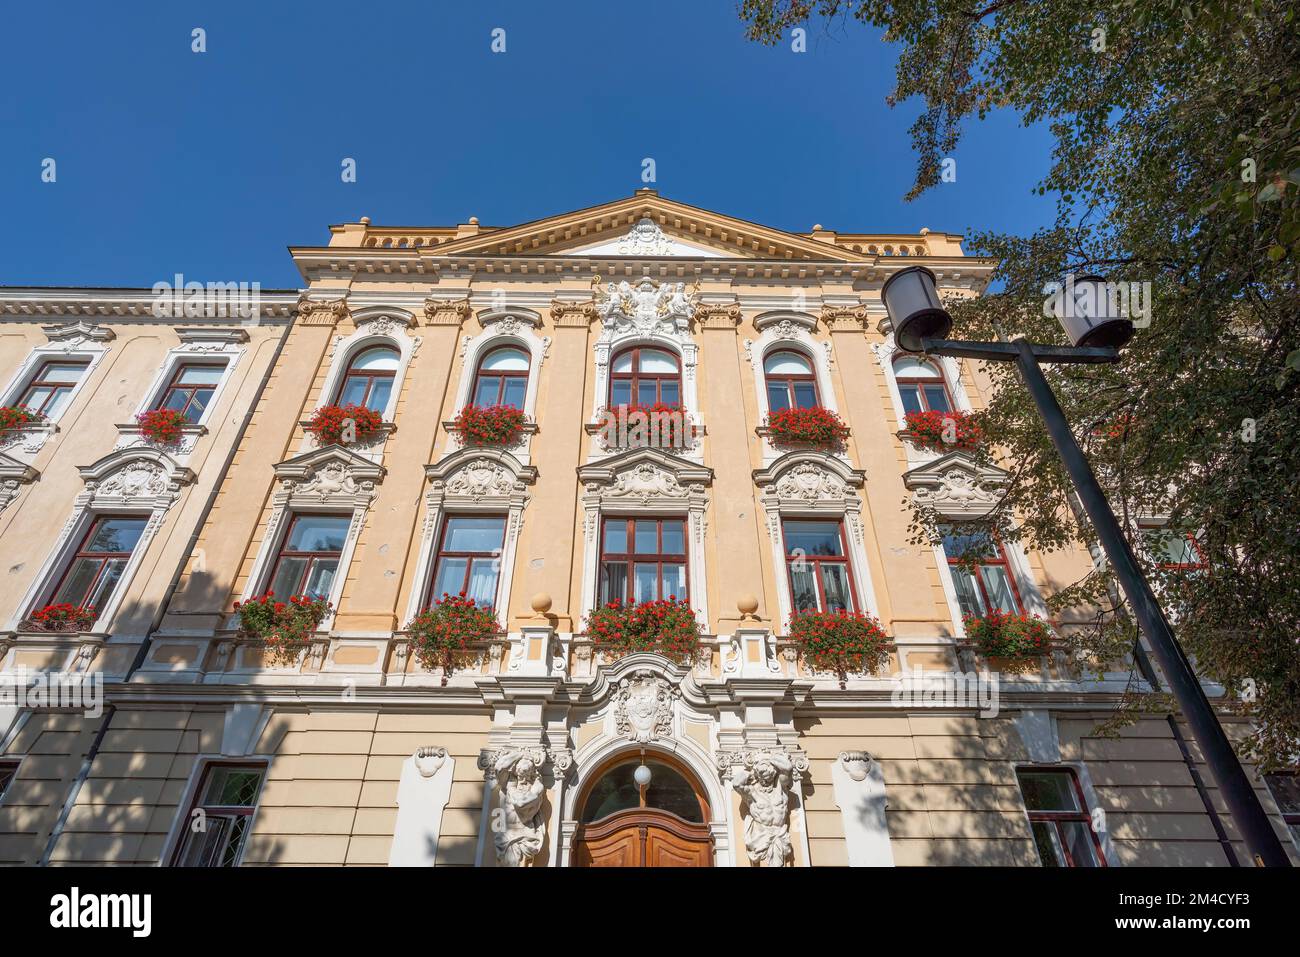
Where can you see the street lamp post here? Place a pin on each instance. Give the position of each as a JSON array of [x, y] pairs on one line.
[[1097, 331]]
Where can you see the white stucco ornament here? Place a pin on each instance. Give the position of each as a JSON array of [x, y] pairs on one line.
[[518, 825], [646, 308], [643, 709], [765, 781]]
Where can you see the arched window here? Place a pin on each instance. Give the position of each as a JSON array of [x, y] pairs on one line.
[[669, 790], [790, 381], [369, 379], [502, 378], [921, 386], [645, 376]]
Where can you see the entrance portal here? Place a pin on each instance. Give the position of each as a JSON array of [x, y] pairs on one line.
[[660, 823]]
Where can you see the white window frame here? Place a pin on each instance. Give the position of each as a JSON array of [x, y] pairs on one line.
[[375, 326], [815, 485], [472, 481], [653, 483], [74, 342], [886, 352], [327, 481], [224, 347], [783, 330], [513, 326], [137, 481]]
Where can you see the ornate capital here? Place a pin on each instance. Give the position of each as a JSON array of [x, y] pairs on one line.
[[845, 318], [445, 312], [318, 312], [573, 315], [718, 315]]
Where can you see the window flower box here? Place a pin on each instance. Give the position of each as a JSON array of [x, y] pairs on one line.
[[943, 431], [840, 642], [283, 626], [490, 425], [1016, 641], [15, 417], [662, 425], [814, 427], [342, 424], [666, 627], [63, 616], [162, 426], [446, 634]]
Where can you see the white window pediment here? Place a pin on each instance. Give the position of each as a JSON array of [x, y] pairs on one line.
[[13, 474], [804, 481], [646, 478], [480, 477], [74, 335], [135, 478], [329, 476], [956, 487]]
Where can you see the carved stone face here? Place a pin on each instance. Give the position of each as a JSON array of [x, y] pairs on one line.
[[525, 771], [765, 774]]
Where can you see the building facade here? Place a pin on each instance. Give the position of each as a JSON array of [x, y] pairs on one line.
[[540, 747]]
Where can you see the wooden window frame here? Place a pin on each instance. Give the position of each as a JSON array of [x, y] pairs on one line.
[[659, 558], [440, 553], [369, 375], [196, 802], [174, 385], [919, 381], [97, 519], [283, 551], [789, 379], [37, 382], [844, 559], [957, 566], [501, 375], [1083, 815], [636, 375]]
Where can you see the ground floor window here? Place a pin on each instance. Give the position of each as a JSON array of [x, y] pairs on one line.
[[8, 769], [1058, 817], [216, 828]]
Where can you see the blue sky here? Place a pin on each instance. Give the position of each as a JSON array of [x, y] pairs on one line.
[[211, 164]]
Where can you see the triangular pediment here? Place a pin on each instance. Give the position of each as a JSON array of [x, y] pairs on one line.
[[646, 226]]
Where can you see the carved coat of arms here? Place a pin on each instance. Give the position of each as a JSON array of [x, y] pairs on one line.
[[643, 708]]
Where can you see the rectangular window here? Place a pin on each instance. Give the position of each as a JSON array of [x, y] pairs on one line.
[[642, 559], [1059, 818], [981, 573], [99, 561], [8, 769], [191, 388], [818, 564], [309, 557], [1285, 789], [469, 558], [1172, 550], [215, 830], [51, 387]]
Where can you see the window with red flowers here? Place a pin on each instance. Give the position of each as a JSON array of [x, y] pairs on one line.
[[501, 379], [921, 385], [225, 803], [309, 556], [641, 376], [790, 381], [642, 559], [190, 389], [97, 566], [1059, 818], [369, 379], [981, 573], [468, 561], [49, 390], [817, 561]]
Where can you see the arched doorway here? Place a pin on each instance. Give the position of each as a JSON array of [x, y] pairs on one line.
[[623, 823]]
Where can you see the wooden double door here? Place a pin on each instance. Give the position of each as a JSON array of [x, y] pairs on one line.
[[643, 837], [659, 821]]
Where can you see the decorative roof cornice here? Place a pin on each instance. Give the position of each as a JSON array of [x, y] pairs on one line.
[[127, 305]]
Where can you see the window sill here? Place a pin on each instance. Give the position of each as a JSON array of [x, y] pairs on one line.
[[29, 439], [132, 435]]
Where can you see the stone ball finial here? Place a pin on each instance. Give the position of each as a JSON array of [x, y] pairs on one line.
[[473, 220], [747, 605], [817, 227], [541, 603], [365, 220]]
